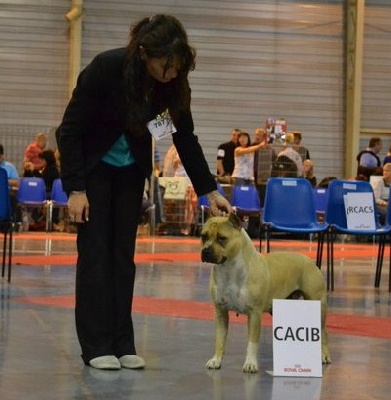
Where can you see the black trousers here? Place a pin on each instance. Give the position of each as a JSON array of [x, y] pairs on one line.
[[105, 266]]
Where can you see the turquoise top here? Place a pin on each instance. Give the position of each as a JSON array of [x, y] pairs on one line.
[[119, 153]]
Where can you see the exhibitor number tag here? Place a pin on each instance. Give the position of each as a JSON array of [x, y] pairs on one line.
[[162, 126]]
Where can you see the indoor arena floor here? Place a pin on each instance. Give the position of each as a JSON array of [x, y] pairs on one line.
[[173, 318]]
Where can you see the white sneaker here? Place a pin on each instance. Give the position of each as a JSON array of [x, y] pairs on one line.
[[105, 362], [132, 362]]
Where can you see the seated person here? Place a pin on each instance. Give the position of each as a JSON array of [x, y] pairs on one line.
[[368, 160], [49, 171], [32, 163], [190, 198], [308, 172], [381, 190], [387, 158]]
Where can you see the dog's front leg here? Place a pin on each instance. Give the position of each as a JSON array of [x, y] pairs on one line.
[[221, 331], [326, 356], [254, 332]]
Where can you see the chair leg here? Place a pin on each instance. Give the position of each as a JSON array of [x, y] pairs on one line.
[[4, 252], [49, 216], [264, 230], [330, 261], [10, 252], [260, 237], [268, 233], [379, 261], [319, 250]]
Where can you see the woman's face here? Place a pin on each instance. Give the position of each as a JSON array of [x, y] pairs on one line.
[[243, 140], [156, 68]]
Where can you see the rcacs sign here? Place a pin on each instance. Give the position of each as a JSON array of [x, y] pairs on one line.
[[297, 338]]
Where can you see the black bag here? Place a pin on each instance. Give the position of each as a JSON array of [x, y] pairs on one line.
[[284, 167]]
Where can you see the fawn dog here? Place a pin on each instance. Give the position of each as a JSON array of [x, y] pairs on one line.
[[245, 281]]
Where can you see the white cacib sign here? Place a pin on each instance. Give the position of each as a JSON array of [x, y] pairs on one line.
[[297, 349]]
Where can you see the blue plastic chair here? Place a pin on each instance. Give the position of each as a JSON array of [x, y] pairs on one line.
[[246, 203], [58, 199], [336, 218], [320, 202], [245, 199], [32, 194], [289, 207], [6, 222]]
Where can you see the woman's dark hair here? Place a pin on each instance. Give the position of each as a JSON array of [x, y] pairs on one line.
[[247, 136], [161, 36], [48, 156]]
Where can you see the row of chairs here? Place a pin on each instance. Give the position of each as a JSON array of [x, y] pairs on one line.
[[290, 206], [31, 194]]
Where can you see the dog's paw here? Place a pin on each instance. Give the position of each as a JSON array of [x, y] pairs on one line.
[[250, 367], [213, 363], [326, 358]]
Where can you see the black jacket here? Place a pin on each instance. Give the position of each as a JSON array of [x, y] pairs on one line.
[[95, 118]]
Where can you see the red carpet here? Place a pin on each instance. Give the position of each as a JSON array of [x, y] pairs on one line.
[[336, 323], [344, 251]]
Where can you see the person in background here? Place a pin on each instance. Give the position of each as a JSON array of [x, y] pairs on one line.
[[123, 98], [49, 171], [58, 159], [13, 180], [156, 161], [190, 202], [226, 157], [381, 189], [243, 173], [32, 163], [264, 159], [303, 151], [12, 172], [168, 165], [387, 158], [260, 135], [289, 152], [368, 159], [308, 172]]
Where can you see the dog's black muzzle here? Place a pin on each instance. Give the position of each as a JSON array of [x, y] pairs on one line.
[[208, 255]]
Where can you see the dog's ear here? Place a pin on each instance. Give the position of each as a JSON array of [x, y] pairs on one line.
[[235, 221]]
